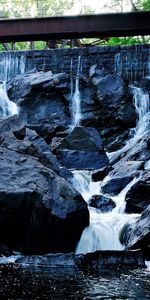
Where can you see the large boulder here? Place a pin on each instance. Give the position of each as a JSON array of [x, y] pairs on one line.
[[136, 234], [39, 210], [40, 97], [82, 149], [138, 197]]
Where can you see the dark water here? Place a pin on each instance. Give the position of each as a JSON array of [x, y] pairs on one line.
[[47, 283]]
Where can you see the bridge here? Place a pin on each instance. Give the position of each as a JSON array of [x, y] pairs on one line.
[[75, 27]]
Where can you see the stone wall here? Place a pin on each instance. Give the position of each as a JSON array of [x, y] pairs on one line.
[[132, 62]]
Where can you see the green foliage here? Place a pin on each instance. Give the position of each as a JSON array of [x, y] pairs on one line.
[[128, 40], [143, 4]]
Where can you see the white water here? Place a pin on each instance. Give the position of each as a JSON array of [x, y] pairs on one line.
[[147, 165], [142, 105], [9, 66], [105, 228], [7, 107], [148, 264], [12, 65], [76, 100]]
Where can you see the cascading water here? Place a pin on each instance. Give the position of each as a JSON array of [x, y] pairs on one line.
[[104, 230], [7, 107], [142, 105], [9, 66], [76, 100]]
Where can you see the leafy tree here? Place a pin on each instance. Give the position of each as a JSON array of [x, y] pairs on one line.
[[143, 4]]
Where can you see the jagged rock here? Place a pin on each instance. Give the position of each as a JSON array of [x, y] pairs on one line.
[[11, 124], [115, 185], [138, 150], [138, 197], [120, 176], [82, 160], [44, 98], [39, 211], [136, 234], [103, 203], [109, 86], [30, 144], [100, 174], [38, 208], [83, 139], [82, 149], [40, 97]]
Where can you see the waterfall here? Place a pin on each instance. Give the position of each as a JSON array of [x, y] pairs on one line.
[[76, 100], [105, 228], [142, 105], [131, 67], [12, 65], [9, 67], [7, 107]]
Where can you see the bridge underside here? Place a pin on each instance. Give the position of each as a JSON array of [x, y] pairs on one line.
[[89, 26]]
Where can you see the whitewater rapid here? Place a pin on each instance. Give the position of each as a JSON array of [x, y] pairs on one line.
[[104, 230]]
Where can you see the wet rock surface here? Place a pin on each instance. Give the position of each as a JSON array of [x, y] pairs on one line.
[[121, 175], [136, 234], [138, 197], [103, 203], [82, 149], [39, 210], [40, 97], [95, 260], [44, 97]]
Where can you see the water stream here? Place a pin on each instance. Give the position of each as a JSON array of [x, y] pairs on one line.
[[142, 104], [76, 99], [104, 230], [8, 68]]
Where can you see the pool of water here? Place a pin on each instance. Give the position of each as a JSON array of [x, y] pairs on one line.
[[59, 283]]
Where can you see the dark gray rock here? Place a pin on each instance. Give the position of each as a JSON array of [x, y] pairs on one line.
[[82, 149], [14, 136], [121, 175], [95, 260], [83, 139], [109, 86], [138, 197], [39, 211], [136, 234], [117, 259], [115, 185], [37, 206], [82, 160], [103, 203], [11, 124], [40, 97], [100, 174]]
